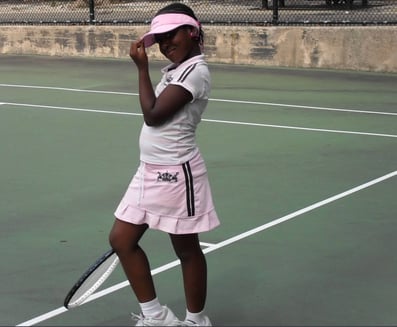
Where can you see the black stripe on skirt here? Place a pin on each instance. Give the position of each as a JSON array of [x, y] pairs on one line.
[[189, 189]]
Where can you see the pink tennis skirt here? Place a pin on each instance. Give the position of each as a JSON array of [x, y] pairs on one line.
[[175, 199]]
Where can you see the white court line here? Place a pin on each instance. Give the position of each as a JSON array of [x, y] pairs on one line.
[[301, 128], [206, 244], [211, 99], [72, 109], [355, 111], [66, 89], [206, 120], [222, 244]]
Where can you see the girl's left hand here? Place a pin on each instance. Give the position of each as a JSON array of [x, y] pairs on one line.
[[138, 54]]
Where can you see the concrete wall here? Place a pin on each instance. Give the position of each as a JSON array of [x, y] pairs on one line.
[[372, 48]]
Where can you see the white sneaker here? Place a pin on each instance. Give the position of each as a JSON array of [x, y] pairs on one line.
[[205, 322], [167, 318]]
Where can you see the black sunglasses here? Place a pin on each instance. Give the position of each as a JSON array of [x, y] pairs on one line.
[[167, 35]]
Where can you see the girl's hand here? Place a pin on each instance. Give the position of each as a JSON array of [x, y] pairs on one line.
[[138, 54]]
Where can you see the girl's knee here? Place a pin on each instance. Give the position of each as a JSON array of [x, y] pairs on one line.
[[125, 237], [120, 244], [186, 246], [189, 254], [118, 239], [114, 240]]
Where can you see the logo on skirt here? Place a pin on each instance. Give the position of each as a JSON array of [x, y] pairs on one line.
[[167, 177]]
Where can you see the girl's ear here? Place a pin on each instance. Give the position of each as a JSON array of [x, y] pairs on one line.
[[194, 33]]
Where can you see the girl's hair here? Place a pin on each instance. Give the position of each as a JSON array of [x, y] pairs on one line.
[[180, 8], [177, 8]]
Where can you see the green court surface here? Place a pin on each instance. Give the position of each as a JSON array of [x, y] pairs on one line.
[[303, 168]]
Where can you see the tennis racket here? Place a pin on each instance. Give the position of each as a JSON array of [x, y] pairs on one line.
[[90, 281]]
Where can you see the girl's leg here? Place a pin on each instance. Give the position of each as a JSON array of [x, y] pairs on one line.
[[194, 269], [124, 238]]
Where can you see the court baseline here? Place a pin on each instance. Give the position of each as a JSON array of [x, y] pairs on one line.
[[211, 99], [206, 120]]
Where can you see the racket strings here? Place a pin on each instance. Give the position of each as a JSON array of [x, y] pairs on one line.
[[92, 280]]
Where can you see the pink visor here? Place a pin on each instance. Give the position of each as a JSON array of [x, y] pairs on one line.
[[167, 22]]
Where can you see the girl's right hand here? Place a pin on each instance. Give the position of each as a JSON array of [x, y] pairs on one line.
[[138, 54]]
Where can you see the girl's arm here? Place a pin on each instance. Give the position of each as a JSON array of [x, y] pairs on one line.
[[156, 110]]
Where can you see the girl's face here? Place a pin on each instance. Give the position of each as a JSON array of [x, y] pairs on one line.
[[178, 45]]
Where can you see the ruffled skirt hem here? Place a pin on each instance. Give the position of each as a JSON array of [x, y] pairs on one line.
[[173, 225]]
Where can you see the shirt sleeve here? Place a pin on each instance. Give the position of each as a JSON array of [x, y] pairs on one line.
[[196, 79]]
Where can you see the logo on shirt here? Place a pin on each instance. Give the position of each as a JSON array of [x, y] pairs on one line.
[[167, 177]]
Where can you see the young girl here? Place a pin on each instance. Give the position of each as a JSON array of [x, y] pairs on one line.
[[170, 190]]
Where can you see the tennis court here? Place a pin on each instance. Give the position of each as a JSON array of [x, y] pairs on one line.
[[303, 167]]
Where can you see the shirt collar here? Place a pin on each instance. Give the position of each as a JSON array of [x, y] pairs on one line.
[[184, 64]]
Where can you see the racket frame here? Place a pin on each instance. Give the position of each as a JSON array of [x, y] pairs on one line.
[[82, 298]]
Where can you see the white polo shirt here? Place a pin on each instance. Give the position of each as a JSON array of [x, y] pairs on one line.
[[174, 142]]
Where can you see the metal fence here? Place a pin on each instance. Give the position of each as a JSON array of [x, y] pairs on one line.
[[217, 12]]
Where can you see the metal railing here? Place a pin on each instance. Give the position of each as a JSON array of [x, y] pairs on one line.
[[220, 12]]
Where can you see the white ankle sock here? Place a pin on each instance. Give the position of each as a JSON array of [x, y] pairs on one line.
[[196, 317], [152, 308]]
